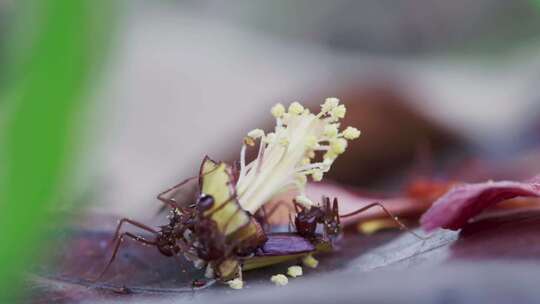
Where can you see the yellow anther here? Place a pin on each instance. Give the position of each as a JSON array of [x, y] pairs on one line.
[[331, 130], [296, 108], [236, 283], [278, 110], [312, 142], [351, 133], [310, 261], [338, 112], [256, 133], [329, 157], [338, 146], [329, 104]]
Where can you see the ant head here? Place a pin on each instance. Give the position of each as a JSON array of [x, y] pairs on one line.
[[332, 224]]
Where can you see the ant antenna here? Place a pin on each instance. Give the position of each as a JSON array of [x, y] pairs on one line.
[[401, 225]]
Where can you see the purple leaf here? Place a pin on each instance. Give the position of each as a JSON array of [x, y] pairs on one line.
[[457, 206]]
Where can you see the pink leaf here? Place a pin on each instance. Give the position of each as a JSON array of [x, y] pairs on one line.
[[457, 206]]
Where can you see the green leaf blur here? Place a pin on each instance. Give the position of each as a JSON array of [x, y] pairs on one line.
[[54, 47]]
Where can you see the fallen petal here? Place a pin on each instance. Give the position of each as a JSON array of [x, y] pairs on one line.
[[457, 206]]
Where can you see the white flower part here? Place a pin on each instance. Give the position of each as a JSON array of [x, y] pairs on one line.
[[278, 110], [331, 130], [256, 133], [279, 279], [301, 179], [236, 283], [295, 271], [304, 201], [317, 176], [329, 104], [293, 150], [339, 111], [296, 108], [351, 133], [338, 145]]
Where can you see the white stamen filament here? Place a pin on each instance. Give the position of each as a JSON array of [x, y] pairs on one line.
[[284, 156]]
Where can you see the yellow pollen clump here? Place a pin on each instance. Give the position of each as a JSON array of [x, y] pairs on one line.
[[331, 130], [256, 133], [279, 279], [310, 261], [236, 283], [329, 104], [295, 271], [312, 142], [338, 146], [278, 110], [338, 112], [296, 108], [351, 133]]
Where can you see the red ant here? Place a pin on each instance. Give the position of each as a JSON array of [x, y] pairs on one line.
[[191, 231], [327, 215]]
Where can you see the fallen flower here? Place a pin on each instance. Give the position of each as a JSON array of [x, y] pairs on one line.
[[454, 209], [220, 231]]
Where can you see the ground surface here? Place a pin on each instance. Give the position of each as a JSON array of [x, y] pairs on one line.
[[493, 260]]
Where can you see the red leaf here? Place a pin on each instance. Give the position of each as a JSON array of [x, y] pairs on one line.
[[457, 206]]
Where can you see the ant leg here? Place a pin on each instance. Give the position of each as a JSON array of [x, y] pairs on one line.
[[134, 223], [335, 210], [291, 226], [170, 202], [263, 218], [268, 215], [117, 247], [390, 215]]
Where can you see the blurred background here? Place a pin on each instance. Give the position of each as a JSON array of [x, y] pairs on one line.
[[106, 103]]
